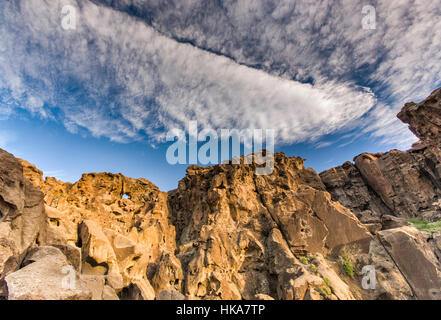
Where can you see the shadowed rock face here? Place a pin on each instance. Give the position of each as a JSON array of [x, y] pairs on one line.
[[386, 188], [413, 256], [22, 216], [396, 183], [402, 184], [424, 118], [227, 233]]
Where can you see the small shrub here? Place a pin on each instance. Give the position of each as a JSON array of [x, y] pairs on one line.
[[327, 281], [313, 268], [324, 291], [349, 269], [346, 262], [304, 260]]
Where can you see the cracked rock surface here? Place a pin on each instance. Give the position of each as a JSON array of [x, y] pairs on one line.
[[228, 233]]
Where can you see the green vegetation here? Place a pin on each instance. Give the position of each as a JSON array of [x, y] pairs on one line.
[[347, 265], [349, 269], [327, 281], [304, 260], [423, 225], [309, 261], [324, 291]]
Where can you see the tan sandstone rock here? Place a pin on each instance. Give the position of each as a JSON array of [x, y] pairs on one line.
[[47, 275], [228, 233]]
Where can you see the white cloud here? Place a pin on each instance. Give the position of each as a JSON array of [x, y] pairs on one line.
[[316, 39], [131, 79], [119, 78]]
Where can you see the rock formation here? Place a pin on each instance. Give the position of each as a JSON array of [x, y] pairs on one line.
[[385, 189], [238, 234], [44, 276], [227, 233], [424, 118], [22, 217], [396, 183]]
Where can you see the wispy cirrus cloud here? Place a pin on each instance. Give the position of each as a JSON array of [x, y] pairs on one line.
[[301, 68], [308, 40], [121, 79]]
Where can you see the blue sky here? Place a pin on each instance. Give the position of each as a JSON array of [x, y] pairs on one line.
[[67, 156], [102, 97]]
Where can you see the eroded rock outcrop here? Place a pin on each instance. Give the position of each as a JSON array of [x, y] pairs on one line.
[[22, 216], [120, 224], [396, 183], [232, 224], [424, 118], [414, 258], [227, 233], [386, 189]]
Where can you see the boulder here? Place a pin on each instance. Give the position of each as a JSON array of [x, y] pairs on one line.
[[170, 294], [46, 275], [415, 259], [98, 257], [98, 288], [390, 282]]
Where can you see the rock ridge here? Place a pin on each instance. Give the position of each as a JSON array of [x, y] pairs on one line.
[[227, 233]]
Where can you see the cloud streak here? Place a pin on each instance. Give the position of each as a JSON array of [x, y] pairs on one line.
[[307, 40], [295, 67]]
